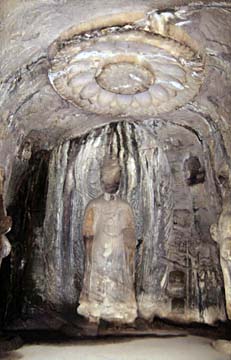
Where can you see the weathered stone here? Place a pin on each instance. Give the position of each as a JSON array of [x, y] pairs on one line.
[[222, 346], [126, 62], [5, 222], [194, 172], [221, 233], [108, 291], [152, 177]]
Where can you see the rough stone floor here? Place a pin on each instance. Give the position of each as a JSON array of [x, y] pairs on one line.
[[174, 348]]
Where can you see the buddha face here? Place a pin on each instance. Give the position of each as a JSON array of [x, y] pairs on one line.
[[110, 176]]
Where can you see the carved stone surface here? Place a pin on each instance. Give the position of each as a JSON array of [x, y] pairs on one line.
[[127, 70], [194, 172], [5, 222], [125, 78], [221, 233], [109, 234], [222, 346], [177, 269]]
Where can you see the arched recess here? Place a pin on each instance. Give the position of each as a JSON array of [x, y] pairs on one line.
[[172, 215]]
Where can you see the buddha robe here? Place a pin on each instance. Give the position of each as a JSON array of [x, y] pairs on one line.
[[108, 286]]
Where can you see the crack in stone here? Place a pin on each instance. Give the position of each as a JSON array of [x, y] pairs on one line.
[[23, 70], [189, 128], [28, 98]]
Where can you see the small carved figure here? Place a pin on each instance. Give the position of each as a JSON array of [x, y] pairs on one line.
[[109, 236], [5, 222], [176, 284], [26, 151], [221, 233], [194, 172]]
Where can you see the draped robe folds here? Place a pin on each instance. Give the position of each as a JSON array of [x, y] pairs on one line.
[[108, 286]]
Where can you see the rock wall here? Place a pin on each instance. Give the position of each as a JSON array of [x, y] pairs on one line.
[[175, 201]]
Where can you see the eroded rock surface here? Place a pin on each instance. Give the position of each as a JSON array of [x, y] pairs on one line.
[[5, 222], [178, 273], [221, 233]]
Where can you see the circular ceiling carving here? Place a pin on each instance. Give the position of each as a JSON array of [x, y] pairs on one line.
[[125, 78], [126, 72]]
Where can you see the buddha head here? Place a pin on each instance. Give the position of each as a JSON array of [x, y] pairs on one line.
[[110, 175]]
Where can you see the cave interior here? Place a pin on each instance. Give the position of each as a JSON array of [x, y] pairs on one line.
[[145, 82]]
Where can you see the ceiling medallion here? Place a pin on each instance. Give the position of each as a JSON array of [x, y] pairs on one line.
[[126, 71], [126, 78]]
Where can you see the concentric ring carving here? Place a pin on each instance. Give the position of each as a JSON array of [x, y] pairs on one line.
[[132, 72]]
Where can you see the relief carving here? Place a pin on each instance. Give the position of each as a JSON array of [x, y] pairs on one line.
[[127, 70], [194, 172]]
